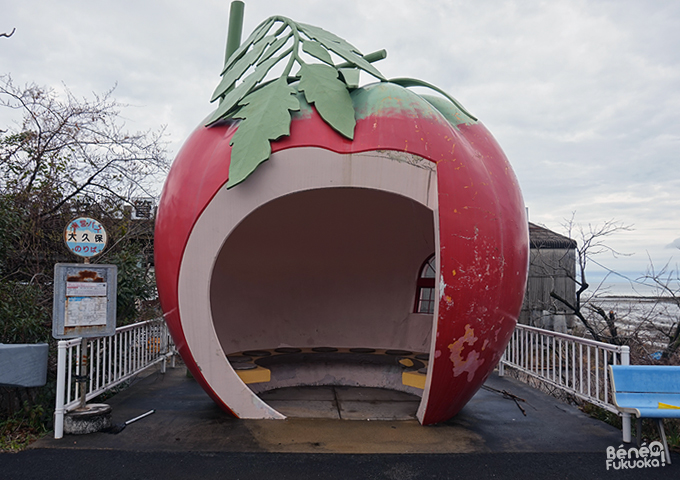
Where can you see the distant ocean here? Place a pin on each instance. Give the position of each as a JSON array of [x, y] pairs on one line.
[[639, 309], [624, 285], [622, 289]]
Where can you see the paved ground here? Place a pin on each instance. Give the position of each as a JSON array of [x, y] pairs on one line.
[[189, 437]]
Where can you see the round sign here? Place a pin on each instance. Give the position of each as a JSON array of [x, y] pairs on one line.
[[85, 237]]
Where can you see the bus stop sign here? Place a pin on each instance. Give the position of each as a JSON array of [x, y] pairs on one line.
[[85, 237]]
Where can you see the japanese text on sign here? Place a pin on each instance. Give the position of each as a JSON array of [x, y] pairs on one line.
[[84, 311], [85, 237], [85, 289]]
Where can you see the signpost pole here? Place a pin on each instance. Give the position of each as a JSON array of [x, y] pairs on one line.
[[83, 365], [82, 374]]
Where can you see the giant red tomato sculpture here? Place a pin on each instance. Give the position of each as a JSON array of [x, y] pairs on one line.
[[321, 249]]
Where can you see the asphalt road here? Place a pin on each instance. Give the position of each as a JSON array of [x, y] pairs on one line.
[[47, 464], [189, 437]]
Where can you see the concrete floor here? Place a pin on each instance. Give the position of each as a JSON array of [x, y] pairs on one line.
[[342, 420], [346, 403], [190, 437]]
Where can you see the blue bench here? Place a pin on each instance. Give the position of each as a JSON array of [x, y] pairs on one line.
[[647, 391]]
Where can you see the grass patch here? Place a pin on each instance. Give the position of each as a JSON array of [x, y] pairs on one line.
[[22, 428]]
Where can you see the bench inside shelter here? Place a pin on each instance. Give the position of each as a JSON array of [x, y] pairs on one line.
[[647, 391], [392, 369]]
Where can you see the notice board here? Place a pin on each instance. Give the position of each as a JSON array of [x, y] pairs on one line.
[[84, 300]]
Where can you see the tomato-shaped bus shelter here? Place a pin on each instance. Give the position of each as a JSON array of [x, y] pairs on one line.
[[313, 270]]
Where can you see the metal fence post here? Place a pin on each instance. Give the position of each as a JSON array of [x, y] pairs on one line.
[[61, 387], [625, 418], [163, 335], [625, 355]]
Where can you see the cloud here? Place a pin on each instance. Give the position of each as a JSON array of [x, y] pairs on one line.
[[674, 244], [582, 96]]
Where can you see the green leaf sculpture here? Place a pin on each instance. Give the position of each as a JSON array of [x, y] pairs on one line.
[[323, 87], [266, 116], [264, 106]]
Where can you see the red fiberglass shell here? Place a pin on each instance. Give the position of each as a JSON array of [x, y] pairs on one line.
[[482, 229]]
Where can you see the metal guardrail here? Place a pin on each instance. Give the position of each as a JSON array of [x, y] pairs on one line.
[[110, 362], [572, 364]]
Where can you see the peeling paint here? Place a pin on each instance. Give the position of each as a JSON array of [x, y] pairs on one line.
[[472, 362], [408, 158]]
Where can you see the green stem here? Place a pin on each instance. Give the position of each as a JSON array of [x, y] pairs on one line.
[[296, 45], [235, 28], [281, 29], [369, 57], [412, 82]]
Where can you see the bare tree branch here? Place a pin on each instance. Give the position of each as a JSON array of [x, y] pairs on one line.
[[577, 312], [666, 284], [591, 241], [66, 157], [68, 146]]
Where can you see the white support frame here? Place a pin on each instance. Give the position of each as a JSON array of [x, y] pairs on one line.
[[572, 364], [112, 361]]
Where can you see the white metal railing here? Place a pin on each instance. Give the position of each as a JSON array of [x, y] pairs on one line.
[[572, 364], [108, 362]]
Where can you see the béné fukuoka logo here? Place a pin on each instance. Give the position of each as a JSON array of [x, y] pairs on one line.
[[643, 457]]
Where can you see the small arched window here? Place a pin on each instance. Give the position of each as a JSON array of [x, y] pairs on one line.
[[425, 291]]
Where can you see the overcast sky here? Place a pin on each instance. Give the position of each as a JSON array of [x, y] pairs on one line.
[[583, 96]]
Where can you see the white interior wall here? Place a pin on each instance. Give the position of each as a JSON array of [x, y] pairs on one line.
[[331, 266]]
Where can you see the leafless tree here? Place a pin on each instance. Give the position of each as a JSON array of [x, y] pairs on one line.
[[591, 241], [66, 149], [666, 285], [8, 34], [65, 157]]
